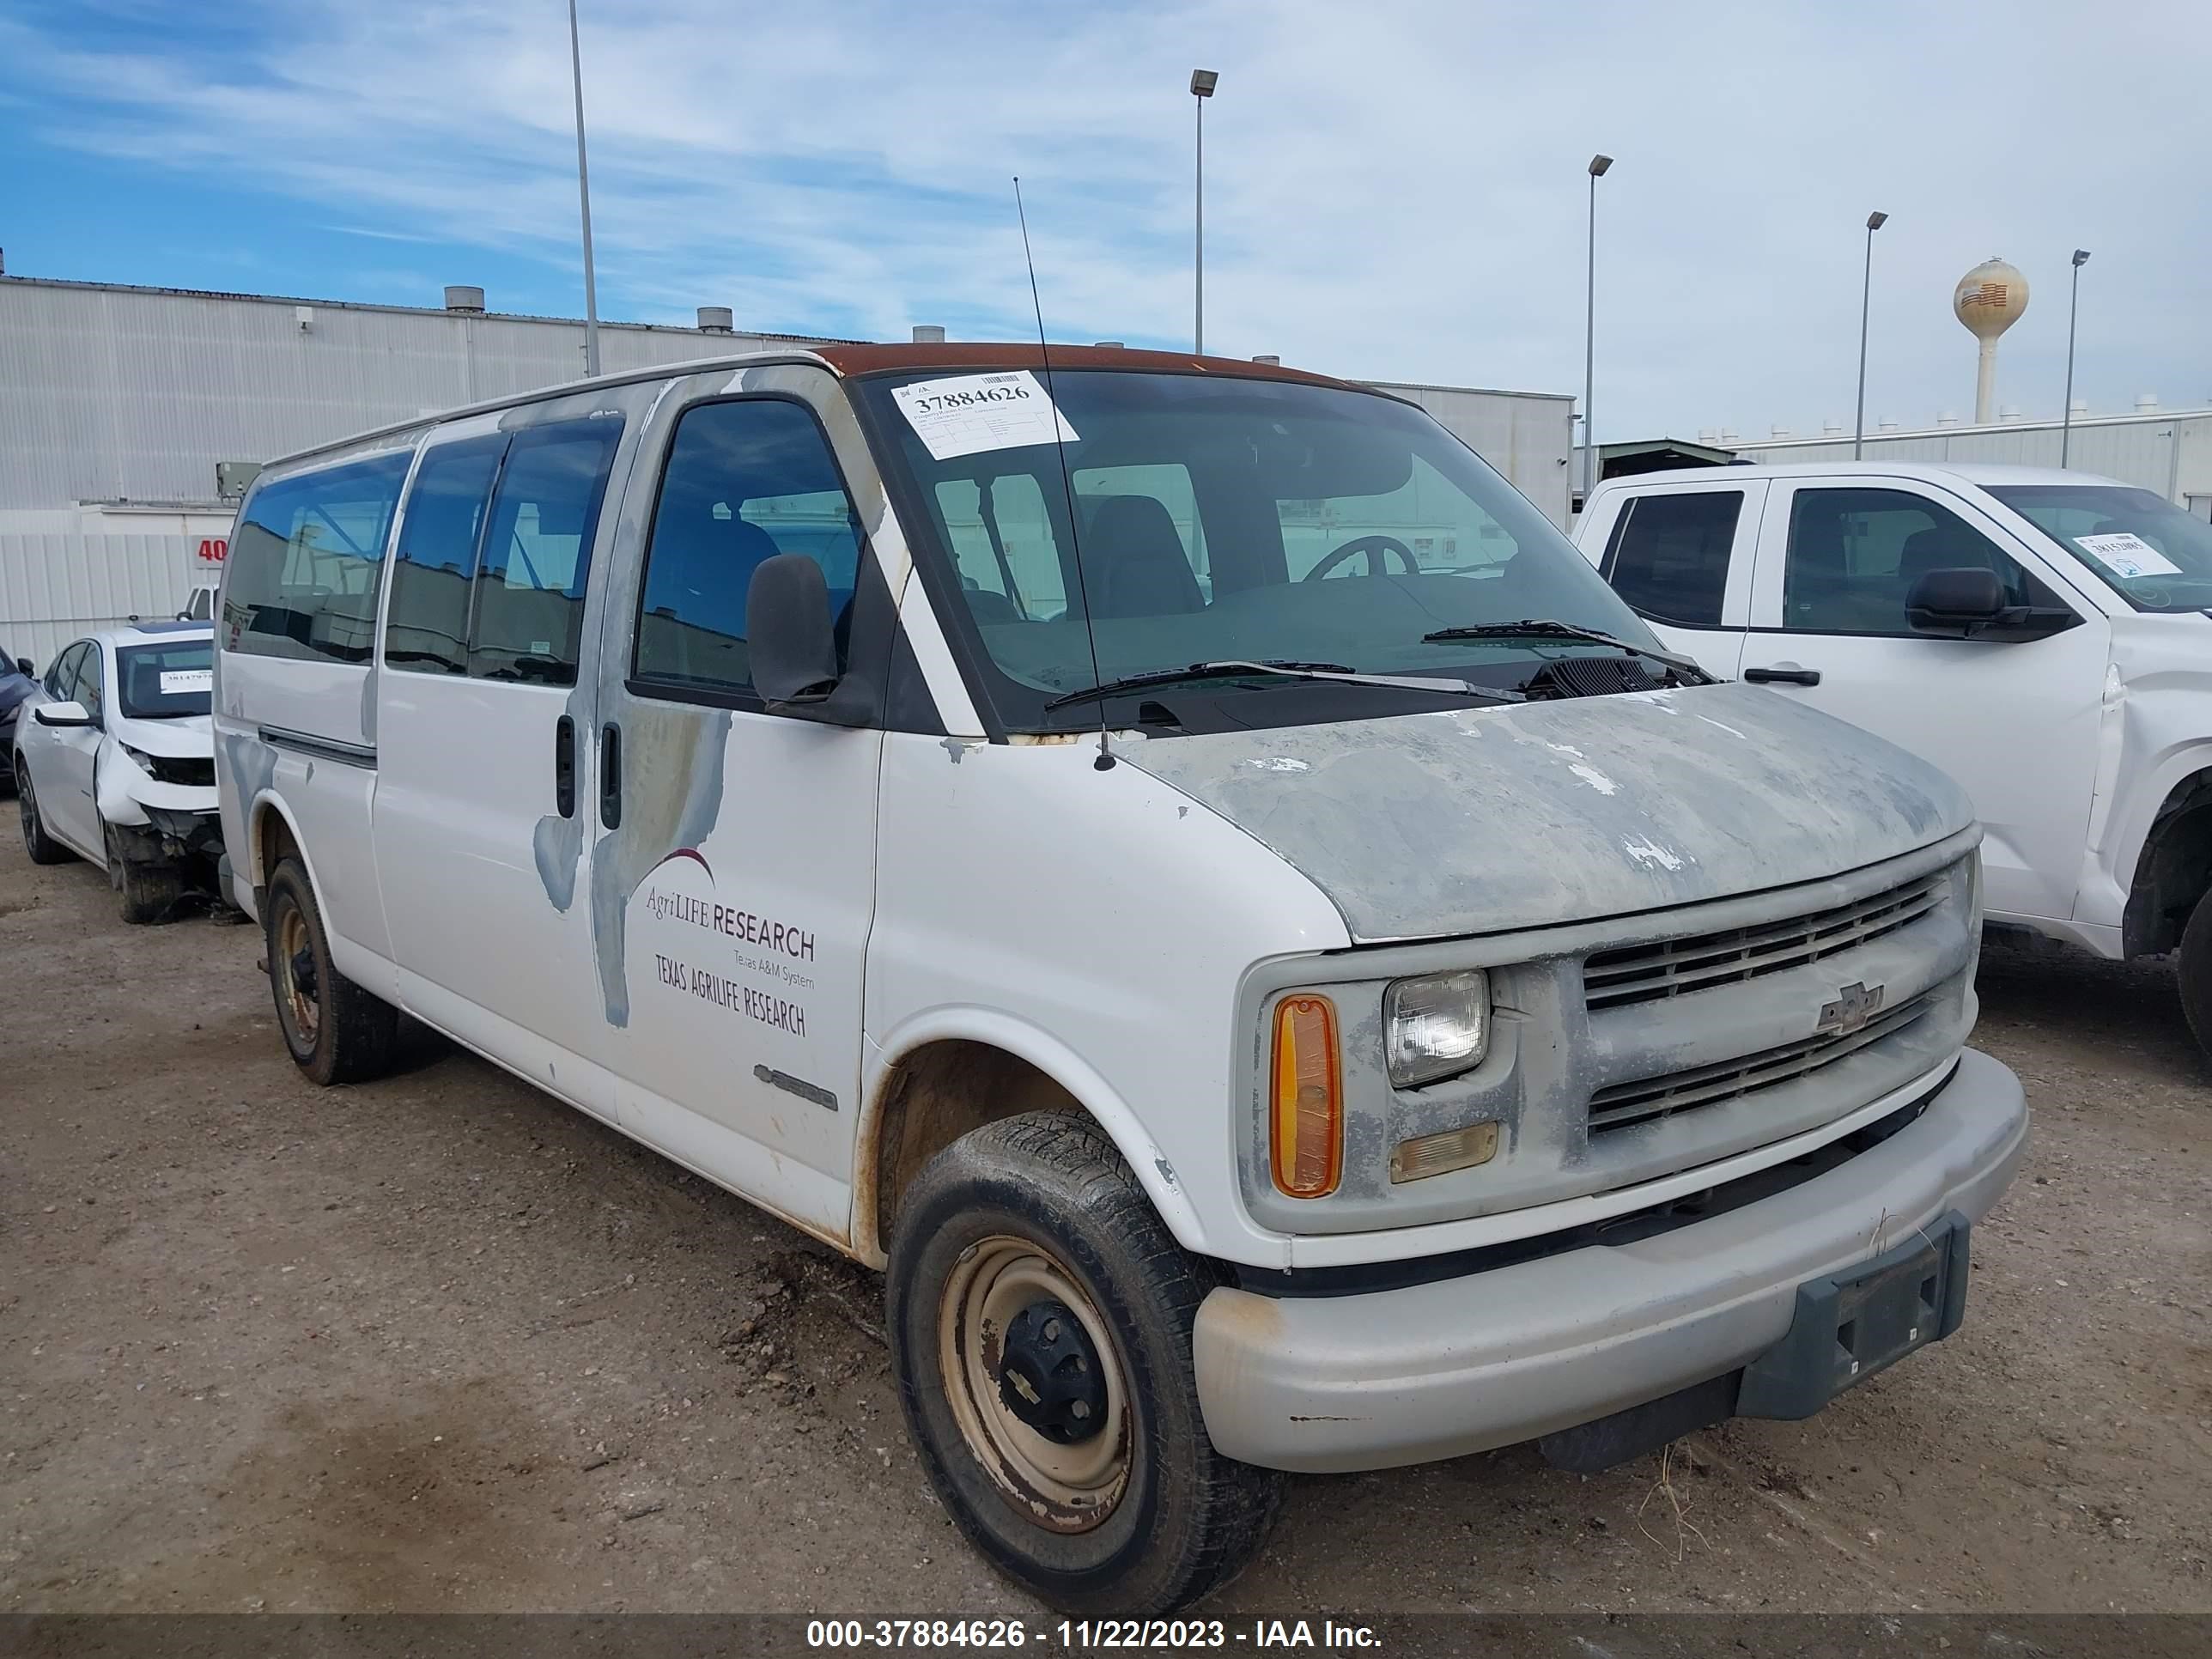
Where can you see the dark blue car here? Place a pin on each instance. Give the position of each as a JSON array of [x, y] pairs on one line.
[[15, 684]]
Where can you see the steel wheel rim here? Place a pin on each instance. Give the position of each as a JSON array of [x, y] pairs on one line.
[[304, 1011], [1064, 1488]]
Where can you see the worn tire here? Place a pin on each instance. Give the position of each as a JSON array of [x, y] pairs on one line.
[[2193, 973], [42, 847], [354, 1033], [1185, 1519], [143, 893]]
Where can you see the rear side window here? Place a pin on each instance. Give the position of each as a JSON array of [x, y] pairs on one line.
[[530, 577], [745, 482], [426, 625], [306, 562], [1669, 554]]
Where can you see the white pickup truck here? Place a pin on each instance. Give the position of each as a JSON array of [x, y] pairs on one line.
[[2043, 636]]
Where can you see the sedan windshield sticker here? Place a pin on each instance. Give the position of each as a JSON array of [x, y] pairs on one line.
[[182, 681], [2126, 555], [968, 414]]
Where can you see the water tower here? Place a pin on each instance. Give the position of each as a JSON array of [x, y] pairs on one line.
[[1988, 299]]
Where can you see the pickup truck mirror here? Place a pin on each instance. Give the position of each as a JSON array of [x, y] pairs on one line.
[[1969, 603], [61, 713], [791, 637]]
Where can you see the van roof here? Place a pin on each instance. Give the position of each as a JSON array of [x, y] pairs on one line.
[[851, 362]]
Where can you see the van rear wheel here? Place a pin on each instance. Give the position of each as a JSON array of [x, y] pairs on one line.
[[336, 1031], [1040, 1319], [2193, 974]]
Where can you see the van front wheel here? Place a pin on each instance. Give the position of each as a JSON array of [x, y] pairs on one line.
[[1040, 1320], [336, 1032]]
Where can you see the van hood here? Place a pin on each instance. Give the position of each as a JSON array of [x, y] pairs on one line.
[[1489, 819]]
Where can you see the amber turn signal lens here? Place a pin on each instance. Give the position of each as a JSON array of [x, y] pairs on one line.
[[1307, 1098]]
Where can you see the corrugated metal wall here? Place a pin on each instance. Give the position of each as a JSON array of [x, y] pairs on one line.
[[2169, 453], [110, 394], [54, 588], [1527, 435]]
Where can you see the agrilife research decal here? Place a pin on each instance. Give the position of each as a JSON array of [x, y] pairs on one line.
[[725, 956]]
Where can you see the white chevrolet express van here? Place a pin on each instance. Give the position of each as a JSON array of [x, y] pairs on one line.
[[1173, 860], [1978, 615]]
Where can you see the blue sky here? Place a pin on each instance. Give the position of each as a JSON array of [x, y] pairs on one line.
[[1395, 188]]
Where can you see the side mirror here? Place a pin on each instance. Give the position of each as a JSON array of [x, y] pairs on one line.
[[24, 666], [791, 638], [61, 713], [1956, 601]]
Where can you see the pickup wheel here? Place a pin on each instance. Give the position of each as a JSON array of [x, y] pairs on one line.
[[2193, 973], [42, 847], [1040, 1320], [336, 1031]]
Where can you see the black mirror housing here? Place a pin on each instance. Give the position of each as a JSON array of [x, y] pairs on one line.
[[1956, 601], [791, 637], [23, 667]]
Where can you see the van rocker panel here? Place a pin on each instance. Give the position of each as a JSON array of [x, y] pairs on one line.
[[1326, 1384]]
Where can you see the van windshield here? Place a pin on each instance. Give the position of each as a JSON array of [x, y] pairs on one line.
[[1223, 520], [2146, 549]]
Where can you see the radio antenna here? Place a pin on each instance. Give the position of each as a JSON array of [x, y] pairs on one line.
[[1105, 761]]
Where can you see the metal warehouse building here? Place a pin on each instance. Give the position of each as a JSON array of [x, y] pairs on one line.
[[2167, 451], [131, 417]]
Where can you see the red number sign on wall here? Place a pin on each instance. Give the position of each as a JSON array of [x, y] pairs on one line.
[[214, 550]]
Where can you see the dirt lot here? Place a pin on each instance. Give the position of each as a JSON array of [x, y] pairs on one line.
[[441, 1343]]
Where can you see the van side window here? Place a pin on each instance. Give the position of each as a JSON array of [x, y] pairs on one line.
[[1855, 554], [745, 481], [1668, 556], [308, 559], [530, 577], [426, 624]]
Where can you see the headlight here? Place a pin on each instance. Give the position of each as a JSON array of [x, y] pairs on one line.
[[145, 761], [1436, 1027]]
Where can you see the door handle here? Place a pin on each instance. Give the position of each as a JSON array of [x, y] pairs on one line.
[[1783, 676], [564, 766], [611, 775]]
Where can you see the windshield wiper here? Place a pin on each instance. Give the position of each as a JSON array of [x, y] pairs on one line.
[[1336, 673], [1541, 628]]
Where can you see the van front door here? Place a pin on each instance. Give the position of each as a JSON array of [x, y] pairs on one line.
[[483, 713], [2015, 722], [733, 876]]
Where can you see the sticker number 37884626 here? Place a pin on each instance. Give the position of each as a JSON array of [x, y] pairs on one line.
[[969, 414]]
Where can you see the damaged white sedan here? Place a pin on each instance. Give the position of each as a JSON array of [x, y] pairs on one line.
[[116, 763]]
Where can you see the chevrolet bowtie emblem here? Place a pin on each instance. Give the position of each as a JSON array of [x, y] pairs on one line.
[[1854, 1005]]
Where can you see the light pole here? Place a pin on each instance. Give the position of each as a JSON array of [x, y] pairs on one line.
[[2073, 304], [1874, 222], [584, 195], [1202, 83], [1597, 171]]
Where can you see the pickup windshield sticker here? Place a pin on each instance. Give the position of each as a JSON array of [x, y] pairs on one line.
[[182, 681], [968, 414], [2126, 555]]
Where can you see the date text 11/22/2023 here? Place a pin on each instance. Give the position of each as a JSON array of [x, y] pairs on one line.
[[1087, 1635]]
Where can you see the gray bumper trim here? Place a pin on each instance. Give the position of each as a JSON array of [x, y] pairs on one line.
[[1464, 1364]]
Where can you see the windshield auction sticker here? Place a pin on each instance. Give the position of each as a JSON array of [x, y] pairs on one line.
[[184, 681], [970, 414], [2126, 555]]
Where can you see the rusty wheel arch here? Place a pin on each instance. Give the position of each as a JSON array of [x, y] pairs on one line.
[[935, 1094]]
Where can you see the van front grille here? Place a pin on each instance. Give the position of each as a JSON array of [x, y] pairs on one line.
[[1625, 1103], [1671, 968]]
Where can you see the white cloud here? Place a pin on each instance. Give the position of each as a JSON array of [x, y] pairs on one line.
[[1395, 189]]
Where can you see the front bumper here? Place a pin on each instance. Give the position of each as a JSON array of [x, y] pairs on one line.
[[1460, 1366]]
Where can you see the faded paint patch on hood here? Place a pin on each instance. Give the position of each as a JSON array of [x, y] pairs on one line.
[[1487, 819]]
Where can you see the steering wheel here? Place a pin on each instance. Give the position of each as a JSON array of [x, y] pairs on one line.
[[1373, 547]]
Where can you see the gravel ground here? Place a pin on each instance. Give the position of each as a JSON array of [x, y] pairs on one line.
[[441, 1344]]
